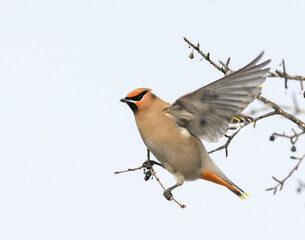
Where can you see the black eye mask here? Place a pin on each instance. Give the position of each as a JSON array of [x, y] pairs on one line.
[[138, 97]]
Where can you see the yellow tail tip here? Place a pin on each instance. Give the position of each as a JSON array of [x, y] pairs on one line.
[[241, 197]]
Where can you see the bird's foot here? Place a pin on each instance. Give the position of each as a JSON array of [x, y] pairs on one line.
[[168, 194], [149, 163]]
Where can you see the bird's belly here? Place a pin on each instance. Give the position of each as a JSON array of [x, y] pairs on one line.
[[182, 157]]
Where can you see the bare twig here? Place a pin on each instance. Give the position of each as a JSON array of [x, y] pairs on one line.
[[279, 74], [158, 180], [280, 183], [226, 66], [148, 165], [284, 71], [130, 169], [207, 57], [263, 116], [237, 129], [295, 109], [286, 75], [293, 138], [277, 109], [282, 112], [226, 70], [230, 138]]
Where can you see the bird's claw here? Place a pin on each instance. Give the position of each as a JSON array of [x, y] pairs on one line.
[[148, 164], [168, 194]]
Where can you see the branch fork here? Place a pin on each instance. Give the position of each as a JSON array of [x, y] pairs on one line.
[[148, 170]]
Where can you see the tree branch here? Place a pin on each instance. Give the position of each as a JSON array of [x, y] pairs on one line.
[[237, 130], [281, 183], [148, 171], [277, 110], [282, 112], [230, 138], [279, 74], [293, 138], [207, 57], [226, 70]]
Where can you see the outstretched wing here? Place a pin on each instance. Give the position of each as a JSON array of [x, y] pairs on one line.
[[207, 112]]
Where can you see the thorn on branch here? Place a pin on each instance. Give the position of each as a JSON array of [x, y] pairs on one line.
[[227, 65], [285, 75], [276, 179]]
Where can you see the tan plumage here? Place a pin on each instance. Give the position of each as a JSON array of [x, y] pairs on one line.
[[172, 132]]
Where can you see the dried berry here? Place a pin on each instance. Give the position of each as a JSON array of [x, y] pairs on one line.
[[293, 149], [271, 138], [191, 56], [147, 175]]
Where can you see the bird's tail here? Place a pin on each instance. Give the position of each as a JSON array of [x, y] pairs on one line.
[[209, 176]]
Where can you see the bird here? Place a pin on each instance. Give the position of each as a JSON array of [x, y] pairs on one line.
[[173, 132]]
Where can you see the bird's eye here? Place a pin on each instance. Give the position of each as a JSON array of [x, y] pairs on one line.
[[138, 97]]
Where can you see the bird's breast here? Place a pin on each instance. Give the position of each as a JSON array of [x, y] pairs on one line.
[[173, 146]]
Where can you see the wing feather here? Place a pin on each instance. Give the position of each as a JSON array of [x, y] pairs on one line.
[[207, 112]]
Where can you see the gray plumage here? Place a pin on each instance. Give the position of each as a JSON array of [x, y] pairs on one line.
[[172, 132], [208, 111]]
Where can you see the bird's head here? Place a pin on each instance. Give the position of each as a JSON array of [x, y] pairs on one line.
[[138, 99]]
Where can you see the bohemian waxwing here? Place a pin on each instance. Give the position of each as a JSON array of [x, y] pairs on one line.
[[173, 132]]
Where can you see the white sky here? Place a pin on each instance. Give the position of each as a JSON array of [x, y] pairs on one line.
[[64, 65]]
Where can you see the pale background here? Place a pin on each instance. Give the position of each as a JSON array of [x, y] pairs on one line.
[[64, 65]]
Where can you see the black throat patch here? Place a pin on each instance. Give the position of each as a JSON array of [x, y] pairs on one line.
[[133, 106]]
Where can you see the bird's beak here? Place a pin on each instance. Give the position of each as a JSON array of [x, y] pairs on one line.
[[124, 100]]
